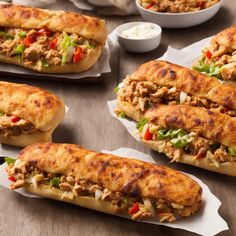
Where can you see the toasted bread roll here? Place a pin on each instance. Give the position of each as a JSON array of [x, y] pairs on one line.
[[28, 114], [192, 135], [161, 82], [50, 41], [219, 58], [105, 182]]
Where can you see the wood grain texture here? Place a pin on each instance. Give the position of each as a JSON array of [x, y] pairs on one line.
[[89, 124]]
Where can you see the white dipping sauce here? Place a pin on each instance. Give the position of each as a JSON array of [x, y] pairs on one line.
[[140, 31]]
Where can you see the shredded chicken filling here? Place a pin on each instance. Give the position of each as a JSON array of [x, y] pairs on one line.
[[143, 94], [11, 125], [176, 142], [177, 6], [72, 187], [43, 47]]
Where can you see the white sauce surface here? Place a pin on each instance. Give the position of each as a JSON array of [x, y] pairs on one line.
[[140, 31]]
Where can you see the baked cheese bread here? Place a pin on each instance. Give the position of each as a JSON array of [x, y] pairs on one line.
[[162, 82], [28, 114], [105, 182], [192, 135]]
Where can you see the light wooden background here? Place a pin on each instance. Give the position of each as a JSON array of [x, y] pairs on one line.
[[89, 124]]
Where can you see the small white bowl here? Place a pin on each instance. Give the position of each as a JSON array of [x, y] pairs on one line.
[[138, 45], [100, 3], [178, 20]]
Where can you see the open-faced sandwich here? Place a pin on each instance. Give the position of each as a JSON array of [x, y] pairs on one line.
[[28, 114], [50, 41], [192, 135], [161, 82], [105, 182], [219, 58]]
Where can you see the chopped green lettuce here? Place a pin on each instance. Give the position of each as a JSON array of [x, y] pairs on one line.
[[22, 34], [232, 151], [211, 70], [141, 124], [116, 89], [55, 182], [178, 137], [9, 160], [45, 63], [122, 115], [19, 49], [6, 35]]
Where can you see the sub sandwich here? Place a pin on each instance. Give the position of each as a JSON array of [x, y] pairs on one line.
[[105, 182], [50, 41], [28, 114], [219, 58], [161, 82], [192, 135]]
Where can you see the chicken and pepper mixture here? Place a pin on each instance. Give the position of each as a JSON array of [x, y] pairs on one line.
[[177, 6], [218, 61], [138, 208], [176, 142], [44, 47], [144, 94], [11, 125]]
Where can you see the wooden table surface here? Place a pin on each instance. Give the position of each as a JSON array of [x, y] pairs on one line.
[[89, 124]]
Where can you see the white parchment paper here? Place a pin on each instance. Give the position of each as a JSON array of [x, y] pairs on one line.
[[198, 223], [186, 56]]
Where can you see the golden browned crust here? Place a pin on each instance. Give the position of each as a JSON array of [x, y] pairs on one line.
[[228, 168], [43, 109], [192, 82], [208, 124], [83, 201], [115, 173], [24, 140], [81, 66], [58, 21], [226, 38], [131, 111]]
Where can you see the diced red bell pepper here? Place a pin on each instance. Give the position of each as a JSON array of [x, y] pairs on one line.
[[201, 155], [53, 43], [31, 38], [134, 209], [150, 5], [15, 119], [45, 31], [12, 178], [78, 55], [201, 4], [225, 109], [208, 54], [147, 134], [159, 212]]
